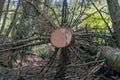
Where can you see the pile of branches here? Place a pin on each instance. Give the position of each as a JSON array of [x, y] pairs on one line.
[[88, 59]]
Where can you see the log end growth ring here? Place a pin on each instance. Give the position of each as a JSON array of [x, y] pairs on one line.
[[61, 37]]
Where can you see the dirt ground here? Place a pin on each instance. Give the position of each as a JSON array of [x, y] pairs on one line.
[[25, 70]]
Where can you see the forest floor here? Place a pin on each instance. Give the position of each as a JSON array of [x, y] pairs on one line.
[[31, 66], [28, 69]]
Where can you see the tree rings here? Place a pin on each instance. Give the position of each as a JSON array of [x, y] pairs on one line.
[[61, 37]]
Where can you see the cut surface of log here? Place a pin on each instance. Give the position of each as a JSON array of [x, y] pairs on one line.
[[61, 37]]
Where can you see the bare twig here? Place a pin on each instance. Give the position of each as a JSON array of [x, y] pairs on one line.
[[22, 46], [23, 41], [102, 17], [73, 12], [85, 64], [93, 70], [51, 23]]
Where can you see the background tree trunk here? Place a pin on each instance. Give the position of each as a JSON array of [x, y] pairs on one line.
[[45, 10], [114, 9], [14, 20], [1, 7], [5, 16]]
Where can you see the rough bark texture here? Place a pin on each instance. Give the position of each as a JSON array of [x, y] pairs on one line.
[[5, 16], [1, 7], [111, 56], [64, 61], [14, 20], [114, 10], [45, 10]]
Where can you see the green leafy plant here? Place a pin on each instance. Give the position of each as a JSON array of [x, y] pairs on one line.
[[7, 75], [42, 54]]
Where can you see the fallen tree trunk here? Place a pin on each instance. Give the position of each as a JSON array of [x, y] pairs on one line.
[[111, 56]]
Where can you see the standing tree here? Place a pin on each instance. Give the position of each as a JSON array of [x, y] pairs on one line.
[[1, 7], [114, 10]]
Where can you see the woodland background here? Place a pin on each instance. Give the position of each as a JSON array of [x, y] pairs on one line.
[[27, 54]]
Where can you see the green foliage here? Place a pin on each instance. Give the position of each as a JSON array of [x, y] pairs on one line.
[[95, 21], [21, 30], [9, 16], [44, 51], [98, 26], [10, 63], [7, 75], [42, 54]]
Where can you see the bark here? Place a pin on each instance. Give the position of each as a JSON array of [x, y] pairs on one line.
[[62, 69], [26, 10], [114, 9], [13, 23], [64, 57], [5, 17], [111, 56], [29, 9], [64, 13], [1, 7], [45, 10]]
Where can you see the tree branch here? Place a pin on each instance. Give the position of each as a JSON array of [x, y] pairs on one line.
[[102, 18]]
